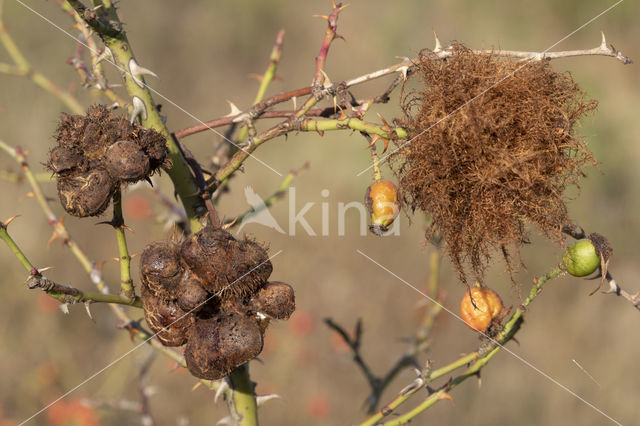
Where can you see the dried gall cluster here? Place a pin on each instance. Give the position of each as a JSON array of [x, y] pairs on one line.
[[211, 292], [96, 153], [493, 148]]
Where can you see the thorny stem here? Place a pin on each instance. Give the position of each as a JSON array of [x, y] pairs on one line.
[[62, 293], [406, 66], [126, 283], [105, 22], [313, 125], [477, 360], [244, 409], [22, 67]]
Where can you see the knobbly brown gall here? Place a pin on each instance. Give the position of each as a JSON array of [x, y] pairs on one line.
[[165, 318], [125, 160], [224, 264], [97, 144], [86, 194], [276, 300], [192, 294], [160, 268], [219, 344]]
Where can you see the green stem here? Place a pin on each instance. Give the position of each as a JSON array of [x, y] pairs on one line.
[[62, 293], [126, 283], [320, 125], [244, 398]]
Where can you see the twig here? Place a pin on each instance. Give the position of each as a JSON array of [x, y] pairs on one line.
[[60, 292], [354, 345], [267, 77], [23, 68], [126, 283], [96, 77], [330, 35], [614, 288]]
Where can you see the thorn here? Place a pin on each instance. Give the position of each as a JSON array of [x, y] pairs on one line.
[[603, 44], [225, 421], [54, 236], [137, 70], [196, 386], [46, 268], [65, 308], [234, 109], [258, 77], [127, 228], [105, 56], [374, 139], [229, 224], [8, 221], [223, 387], [262, 399], [294, 99], [342, 115], [325, 17], [87, 306], [386, 126], [139, 109], [445, 395], [437, 41], [27, 195], [327, 81], [105, 222], [404, 70]]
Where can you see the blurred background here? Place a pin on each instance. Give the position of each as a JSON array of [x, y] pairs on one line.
[[203, 53]]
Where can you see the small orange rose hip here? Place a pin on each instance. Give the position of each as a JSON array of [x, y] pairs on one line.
[[485, 306], [382, 203]]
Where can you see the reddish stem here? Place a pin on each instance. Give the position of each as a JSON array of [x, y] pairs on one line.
[[330, 35]]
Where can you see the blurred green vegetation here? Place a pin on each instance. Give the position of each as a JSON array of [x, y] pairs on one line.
[[202, 52]]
